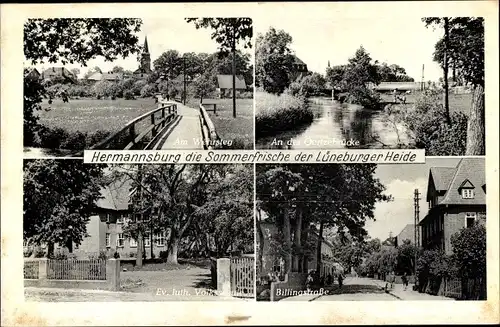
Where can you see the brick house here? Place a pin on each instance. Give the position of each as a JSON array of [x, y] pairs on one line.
[[299, 69], [105, 228], [59, 72], [457, 199], [272, 263]]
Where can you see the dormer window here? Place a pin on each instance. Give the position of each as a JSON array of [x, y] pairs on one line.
[[467, 193], [467, 190]]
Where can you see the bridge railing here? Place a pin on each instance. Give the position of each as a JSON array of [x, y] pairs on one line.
[[207, 128], [141, 130]]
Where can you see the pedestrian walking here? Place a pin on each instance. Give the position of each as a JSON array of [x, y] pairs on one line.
[[340, 279], [329, 279], [405, 281], [309, 281]]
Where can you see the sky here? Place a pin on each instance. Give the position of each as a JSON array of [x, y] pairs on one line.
[[401, 40], [401, 180], [163, 34]]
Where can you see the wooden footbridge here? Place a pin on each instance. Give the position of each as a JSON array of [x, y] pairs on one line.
[[171, 125]]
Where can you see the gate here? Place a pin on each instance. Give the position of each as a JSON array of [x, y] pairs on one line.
[[242, 277], [452, 288]]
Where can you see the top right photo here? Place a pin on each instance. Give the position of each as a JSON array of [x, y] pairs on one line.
[[398, 83]]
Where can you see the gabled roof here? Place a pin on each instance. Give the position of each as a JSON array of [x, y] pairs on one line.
[[59, 71], [297, 60], [408, 227], [226, 82], [440, 177], [473, 171], [105, 76], [466, 184], [116, 196]]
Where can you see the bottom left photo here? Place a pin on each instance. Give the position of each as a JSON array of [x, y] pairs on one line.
[[138, 232]]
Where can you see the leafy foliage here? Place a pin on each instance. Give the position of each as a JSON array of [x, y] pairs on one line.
[[59, 198], [469, 251], [77, 40], [273, 61]]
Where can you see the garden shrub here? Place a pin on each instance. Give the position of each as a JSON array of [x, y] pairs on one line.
[[74, 141], [59, 255], [128, 95], [426, 122], [163, 255], [364, 97], [132, 254], [27, 252], [95, 137], [39, 253], [102, 255], [52, 138], [116, 255]]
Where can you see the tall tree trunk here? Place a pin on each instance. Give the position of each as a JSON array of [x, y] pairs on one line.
[[260, 235], [476, 124], [288, 241], [69, 245], [296, 240], [50, 250], [305, 257], [233, 49], [138, 259], [445, 71], [318, 250], [173, 250]]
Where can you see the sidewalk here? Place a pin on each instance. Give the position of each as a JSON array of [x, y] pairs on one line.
[[409, 295]]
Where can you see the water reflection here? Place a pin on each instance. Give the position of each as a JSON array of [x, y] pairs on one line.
[[337, 126]]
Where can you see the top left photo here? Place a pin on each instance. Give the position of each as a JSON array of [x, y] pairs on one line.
[[137, 84]]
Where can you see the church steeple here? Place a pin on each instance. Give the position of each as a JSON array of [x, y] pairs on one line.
[[146, 48], [328, 63]]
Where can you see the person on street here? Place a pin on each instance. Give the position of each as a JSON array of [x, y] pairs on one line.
[[329, 280], [340, 279], [309, 282], [405, 281]]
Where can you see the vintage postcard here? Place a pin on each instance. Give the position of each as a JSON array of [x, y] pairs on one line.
[[190, 163]]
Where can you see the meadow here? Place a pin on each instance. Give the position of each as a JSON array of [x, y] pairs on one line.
[[458, 102], [239, 129], [275, 113], [90, 115]]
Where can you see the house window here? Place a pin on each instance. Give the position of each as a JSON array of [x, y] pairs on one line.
[[470, 219], [159, 239], [120, 219], [108, 217], [147, 240], [108, 240], [120, 240], [133, 243], [467, 193]]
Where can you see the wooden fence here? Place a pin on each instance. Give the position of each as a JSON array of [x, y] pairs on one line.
[[77, 269], [137, 133], [465, 289], [207, 128]]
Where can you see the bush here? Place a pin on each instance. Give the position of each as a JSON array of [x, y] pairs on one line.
[[148, 91], [74, 141], [59, 255], [52, 138], [132, 254], [96, 137], [27, 252], [128, 95], [102, 255], [163, 255], [469, 251], [280, 113], [427, 124], [116, 255], [364, 97], [39, 253]]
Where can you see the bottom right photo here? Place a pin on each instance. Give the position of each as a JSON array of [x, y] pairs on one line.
[[366, 232]]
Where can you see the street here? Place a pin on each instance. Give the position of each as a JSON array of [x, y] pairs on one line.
[[367, 289]]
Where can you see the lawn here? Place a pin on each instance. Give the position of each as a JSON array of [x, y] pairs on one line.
[[458, 102], [90, 115], [239, 129]]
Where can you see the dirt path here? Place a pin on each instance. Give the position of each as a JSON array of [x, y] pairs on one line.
[[186, 135]]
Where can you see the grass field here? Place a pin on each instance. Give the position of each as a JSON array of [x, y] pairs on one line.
[[239, 129], [458, 102], [90, 115]]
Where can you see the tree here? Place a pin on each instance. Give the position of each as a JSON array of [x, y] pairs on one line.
[[118, 69], [203, 85], [309, 85], [228, 32], [168, 65], [406, 257], [76, 72], [91, 71], [273, 61], [77, 40], [463, 49], [335, 75], [59, 198], [469, 251], [360, 71]]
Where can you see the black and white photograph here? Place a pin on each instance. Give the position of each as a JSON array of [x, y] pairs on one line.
[[402, 82], [138, 84], [363, 232], [96, 233]]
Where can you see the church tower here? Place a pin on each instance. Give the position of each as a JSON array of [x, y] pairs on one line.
[[145, 64]]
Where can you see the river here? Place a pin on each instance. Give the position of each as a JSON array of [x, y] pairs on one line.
[[337, 126]]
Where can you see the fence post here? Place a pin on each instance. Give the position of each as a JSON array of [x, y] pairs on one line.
[[153, 131], [215, 108], [113, 274], [132, 133], [224, 276], [163, 117], [43, 268]]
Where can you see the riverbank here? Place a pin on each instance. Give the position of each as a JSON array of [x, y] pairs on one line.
[[275, 114]]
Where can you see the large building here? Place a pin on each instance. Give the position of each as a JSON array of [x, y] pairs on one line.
[[59, 73], [299, 69], [225, 85], [457, 199], [144, 69]]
